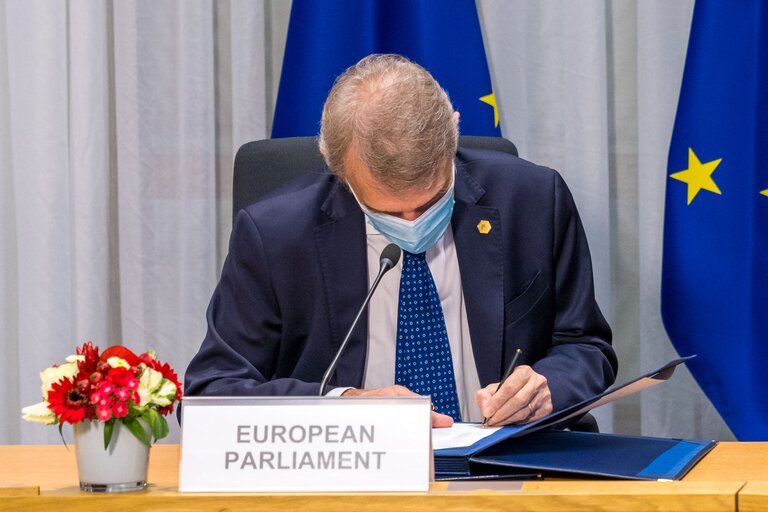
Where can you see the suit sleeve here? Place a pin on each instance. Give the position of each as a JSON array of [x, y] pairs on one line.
[[581, 361], [240, 351]]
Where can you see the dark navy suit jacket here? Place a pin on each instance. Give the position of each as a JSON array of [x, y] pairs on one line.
[[296, 275]]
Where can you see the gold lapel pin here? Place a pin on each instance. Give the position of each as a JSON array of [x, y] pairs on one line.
[[484, 227]]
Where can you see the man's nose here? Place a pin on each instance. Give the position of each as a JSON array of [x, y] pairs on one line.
[[410, 215]]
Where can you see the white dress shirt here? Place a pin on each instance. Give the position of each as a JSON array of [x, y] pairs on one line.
[[382, 319]]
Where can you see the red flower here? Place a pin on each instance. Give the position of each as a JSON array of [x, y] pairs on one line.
[[120, 377], [100, 400], [106, 387], [121, 352], [96, 397], [67, 402], [91, 354], [123, 394], [120, 409], [104, 413]]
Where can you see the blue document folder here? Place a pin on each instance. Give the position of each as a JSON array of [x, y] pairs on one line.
[[531, 447], [563, 453]]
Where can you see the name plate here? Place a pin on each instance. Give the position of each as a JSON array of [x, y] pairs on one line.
[[305, 444]]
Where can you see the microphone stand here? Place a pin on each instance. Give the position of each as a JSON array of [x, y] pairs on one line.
[[388, 259]]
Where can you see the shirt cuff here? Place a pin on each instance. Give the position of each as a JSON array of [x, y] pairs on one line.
[[336, 391]]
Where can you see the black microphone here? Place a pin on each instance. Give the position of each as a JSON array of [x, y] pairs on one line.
[[388, 259]]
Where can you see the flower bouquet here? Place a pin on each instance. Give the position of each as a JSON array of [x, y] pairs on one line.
[[115, 386], [96, 392]]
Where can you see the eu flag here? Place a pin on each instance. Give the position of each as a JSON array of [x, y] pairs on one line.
[[715, 268], [327, 36]]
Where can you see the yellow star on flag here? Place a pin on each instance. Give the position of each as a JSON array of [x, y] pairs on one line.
[[764, 192], [490, 99], [698, 176]]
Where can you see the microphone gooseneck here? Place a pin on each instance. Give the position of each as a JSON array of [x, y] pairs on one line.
[[387, 260]]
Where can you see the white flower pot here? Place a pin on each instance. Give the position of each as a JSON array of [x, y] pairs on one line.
[[121, 467]]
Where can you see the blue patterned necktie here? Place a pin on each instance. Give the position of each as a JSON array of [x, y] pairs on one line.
[[423, 361]]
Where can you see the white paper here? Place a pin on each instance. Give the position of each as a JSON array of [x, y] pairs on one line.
[[460, 435]]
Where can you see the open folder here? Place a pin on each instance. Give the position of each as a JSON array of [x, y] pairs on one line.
[[469, 449]]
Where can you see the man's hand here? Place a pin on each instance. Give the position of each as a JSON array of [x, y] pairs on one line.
[[522, 398], [438, 420]]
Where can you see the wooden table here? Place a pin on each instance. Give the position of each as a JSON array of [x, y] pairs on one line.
[[738, 461], [753, 497], [44, 478]]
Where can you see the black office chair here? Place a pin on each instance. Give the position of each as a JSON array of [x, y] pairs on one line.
[[263, 166]]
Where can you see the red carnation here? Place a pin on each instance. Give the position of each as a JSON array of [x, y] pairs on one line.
[[67, 402], [120, 377]]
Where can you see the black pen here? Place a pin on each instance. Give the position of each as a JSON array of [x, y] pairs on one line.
[[510, 369]]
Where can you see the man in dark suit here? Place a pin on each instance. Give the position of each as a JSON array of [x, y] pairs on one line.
[[494, 243]]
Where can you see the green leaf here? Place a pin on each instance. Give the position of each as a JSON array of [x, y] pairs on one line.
[[109, 428], [157, 424], [166, 430], [137, 430], [154, 423], [61, 426]]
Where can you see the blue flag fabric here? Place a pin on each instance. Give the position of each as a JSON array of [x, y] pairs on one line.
[[715, 266], [327, 36]]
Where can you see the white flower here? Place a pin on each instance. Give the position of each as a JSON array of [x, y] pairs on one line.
[[149, 382], [39, 413], [54, 374], [150, 379], [154, 389], [117, 362], [165, 395]]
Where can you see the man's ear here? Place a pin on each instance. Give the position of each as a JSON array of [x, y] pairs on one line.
[[456, 116]]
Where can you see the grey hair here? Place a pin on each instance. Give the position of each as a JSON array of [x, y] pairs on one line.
[[395, 117]]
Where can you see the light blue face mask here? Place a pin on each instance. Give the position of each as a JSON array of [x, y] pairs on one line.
[[418, 235]]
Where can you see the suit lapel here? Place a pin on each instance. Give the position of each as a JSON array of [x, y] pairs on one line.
[[341, 248], [480, 257]]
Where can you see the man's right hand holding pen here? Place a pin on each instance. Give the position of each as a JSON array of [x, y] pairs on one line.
[[522, 396]]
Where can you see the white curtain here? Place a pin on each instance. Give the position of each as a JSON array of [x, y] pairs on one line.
[[590, 88], [118, 126], [118, 122]]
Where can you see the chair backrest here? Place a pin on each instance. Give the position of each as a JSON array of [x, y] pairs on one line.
[[264, 165]]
